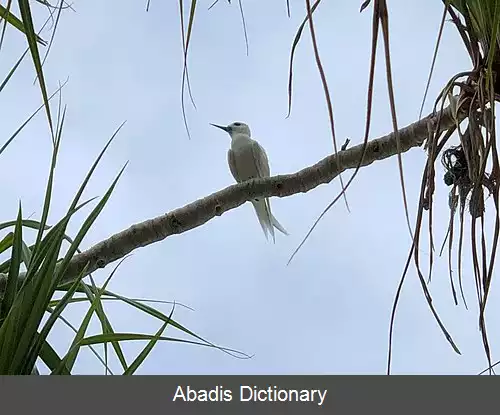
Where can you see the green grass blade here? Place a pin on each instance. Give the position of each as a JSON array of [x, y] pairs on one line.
[[42, 337], [94, 166], [83, 231], [31, 37], [105, 323], [6, 242], [2, 149], [27, 223], [26, 254], [11, 289], [18, 331], [13, 70], [106, 338], [36, 295], [50, 357], [18, 24], [157, 314], [50, 181], [72, 328], [95, 305], [145, 352], [39, 255]]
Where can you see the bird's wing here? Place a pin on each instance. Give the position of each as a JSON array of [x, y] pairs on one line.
[[232, 166], [260, 158], [262, 166]]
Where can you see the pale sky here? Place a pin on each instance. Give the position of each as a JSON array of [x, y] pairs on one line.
[[328, 311]]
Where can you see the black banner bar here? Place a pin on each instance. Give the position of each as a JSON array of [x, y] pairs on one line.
[[154, 395]]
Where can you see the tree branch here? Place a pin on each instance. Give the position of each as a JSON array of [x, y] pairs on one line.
[[202, 210]]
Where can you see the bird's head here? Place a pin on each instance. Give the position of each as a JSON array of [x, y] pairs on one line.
[[235, 128]]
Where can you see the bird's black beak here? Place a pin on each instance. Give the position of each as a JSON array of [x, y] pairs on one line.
[[226, 129]]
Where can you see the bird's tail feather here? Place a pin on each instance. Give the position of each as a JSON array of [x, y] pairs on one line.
[[264, 215], [278, 225], [266, 218]]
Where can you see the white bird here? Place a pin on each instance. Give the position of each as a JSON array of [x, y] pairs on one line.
[[248, 160]]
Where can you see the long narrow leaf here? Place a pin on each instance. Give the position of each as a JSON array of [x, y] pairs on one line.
[[31, 37], [50, 357], [42, 337], [10, 290], [2, 149], [6, 242], [83, 231], [94, 306], [145, 352], [18, 24]]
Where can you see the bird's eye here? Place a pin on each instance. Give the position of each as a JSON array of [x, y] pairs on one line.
[[237, 124]]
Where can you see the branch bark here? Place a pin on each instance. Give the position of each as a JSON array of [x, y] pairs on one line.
[[202, 210]]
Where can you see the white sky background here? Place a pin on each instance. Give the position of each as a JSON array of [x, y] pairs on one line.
[[326, 313]]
